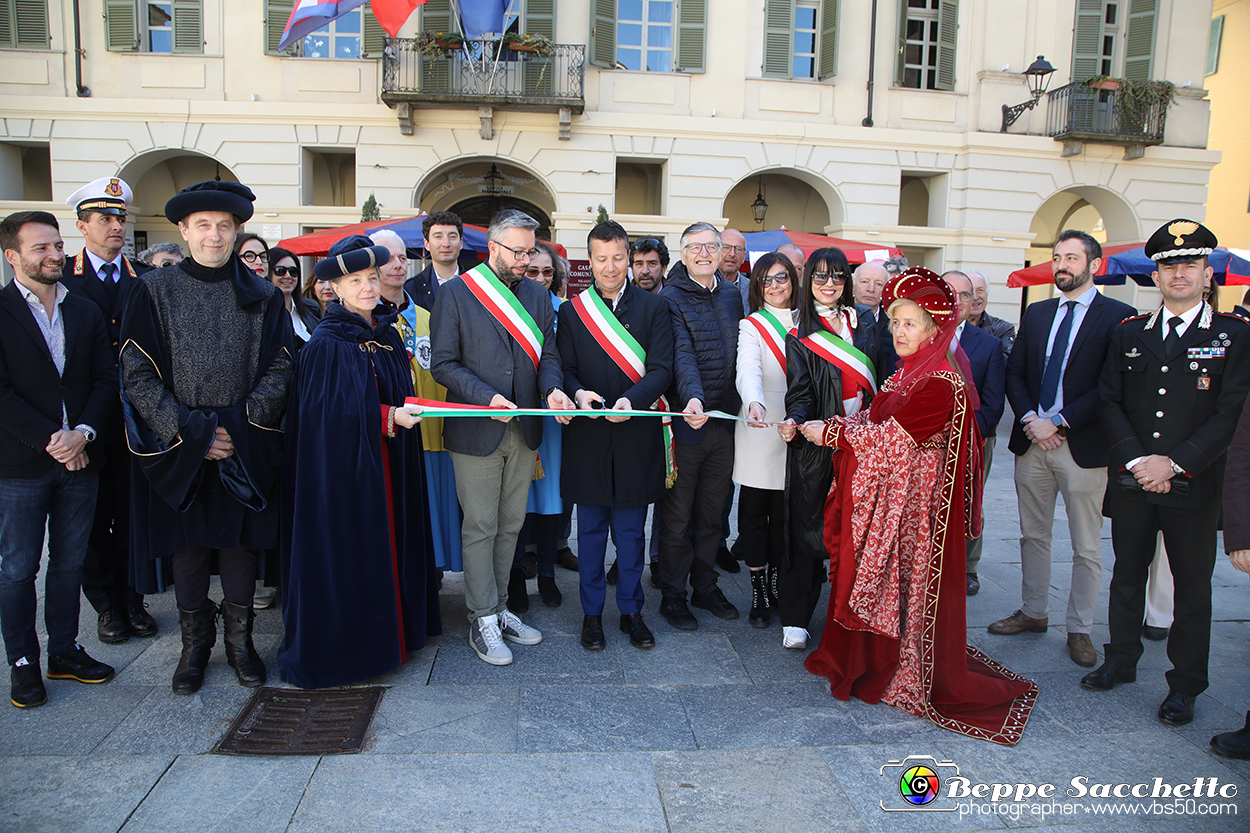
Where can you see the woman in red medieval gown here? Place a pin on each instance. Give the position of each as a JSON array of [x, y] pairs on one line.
[[905, 498]]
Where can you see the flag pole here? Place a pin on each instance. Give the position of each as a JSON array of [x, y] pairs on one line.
[[490, 86]]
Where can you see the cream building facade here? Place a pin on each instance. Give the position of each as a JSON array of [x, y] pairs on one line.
[[1228, 68], [884, 129]]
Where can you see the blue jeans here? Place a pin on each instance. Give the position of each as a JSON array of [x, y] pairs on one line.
[[64, 501]]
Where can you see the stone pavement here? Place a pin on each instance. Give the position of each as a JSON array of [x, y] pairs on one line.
[[716, 730]]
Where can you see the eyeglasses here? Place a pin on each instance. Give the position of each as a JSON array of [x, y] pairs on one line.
[[835, 278], [519, 254], [739, 249], [653, 242], [964, 296], [534, 272], [695, 248], [283, 271], [252, 257], [769, 280]]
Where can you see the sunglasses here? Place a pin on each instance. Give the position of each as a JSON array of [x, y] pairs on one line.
[[769, 280], [534, 272], [284, 271], [835, 278]]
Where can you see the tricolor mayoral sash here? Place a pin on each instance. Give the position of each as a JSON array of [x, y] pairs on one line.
[[506, 308], [857, 370], [627, 353], [773, 332]]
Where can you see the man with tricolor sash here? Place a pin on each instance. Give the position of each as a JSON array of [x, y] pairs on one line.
[[616, 348], [492, 341]]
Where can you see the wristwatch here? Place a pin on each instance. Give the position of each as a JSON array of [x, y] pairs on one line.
[[86, 432], [1177, 469]]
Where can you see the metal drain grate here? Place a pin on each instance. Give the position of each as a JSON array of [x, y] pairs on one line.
[[284, 721]]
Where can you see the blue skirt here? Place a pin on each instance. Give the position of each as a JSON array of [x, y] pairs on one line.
[[445, 515], [544, 498]]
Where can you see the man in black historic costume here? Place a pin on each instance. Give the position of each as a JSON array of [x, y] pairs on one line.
[[1172, 392], [102, 274], [205, 364]]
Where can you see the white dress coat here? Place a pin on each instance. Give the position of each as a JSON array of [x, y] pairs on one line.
[[759, 453]]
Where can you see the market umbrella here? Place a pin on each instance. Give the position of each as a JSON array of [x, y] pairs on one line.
[[1128, 260], [409, 228], [1039, 273], [856, 252]]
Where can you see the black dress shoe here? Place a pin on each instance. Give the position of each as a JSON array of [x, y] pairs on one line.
[[1233, 744], [75, 664], [112, 628], [614, 574], [726, 561], [714, 602], [640, 635], [1154, 634], [566, 558], [548, 591], [974, 584], [140, 621], [1177, 709], [678, 614], [592, 633], [518, 596], [655, 576], [26, 686], [1107, 676]]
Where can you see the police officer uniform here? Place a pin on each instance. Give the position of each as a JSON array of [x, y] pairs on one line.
[[106, 574], [1174, 386]]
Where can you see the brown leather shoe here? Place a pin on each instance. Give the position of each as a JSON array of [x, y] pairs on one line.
[[1018, 623], [1082, 650], [566, 559]]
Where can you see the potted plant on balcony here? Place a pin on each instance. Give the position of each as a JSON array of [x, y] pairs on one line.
[[438, 44], [538, 44]]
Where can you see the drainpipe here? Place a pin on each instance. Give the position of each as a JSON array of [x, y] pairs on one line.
[[83, 92], [872, 62]]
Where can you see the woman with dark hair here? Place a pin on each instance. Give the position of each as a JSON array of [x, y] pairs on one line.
[[254, 251], [832, 366], [759, 454], [284, 273], [907, 499], [359, 591], [319, 291]]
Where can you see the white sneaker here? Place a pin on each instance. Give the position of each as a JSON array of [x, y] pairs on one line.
[[514, 630], [794, 638], [487, 643]]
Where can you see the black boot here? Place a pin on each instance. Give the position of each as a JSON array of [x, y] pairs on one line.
[[759, 600], [771, 572], [199, 632], [240, 652], [518, 595]]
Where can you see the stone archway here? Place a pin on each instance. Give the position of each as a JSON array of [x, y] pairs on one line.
[[797, 199], [462, 186], [155, 177]]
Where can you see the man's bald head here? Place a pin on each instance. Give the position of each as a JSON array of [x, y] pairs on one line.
[[794, 254]]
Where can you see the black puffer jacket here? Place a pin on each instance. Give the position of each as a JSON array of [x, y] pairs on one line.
[[705, 348]]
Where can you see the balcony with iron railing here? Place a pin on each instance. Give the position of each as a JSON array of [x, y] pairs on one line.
[[484, 73], [1078, 113]]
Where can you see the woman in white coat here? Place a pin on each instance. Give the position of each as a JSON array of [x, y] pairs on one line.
[[759, 453]]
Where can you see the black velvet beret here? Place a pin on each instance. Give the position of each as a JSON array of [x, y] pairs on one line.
[[351, 254], [230, 197]]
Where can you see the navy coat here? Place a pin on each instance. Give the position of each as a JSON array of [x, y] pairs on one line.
[[80, 278], [422, 287], [355, 600], [1086, 439], [989, 374], [622, 462]]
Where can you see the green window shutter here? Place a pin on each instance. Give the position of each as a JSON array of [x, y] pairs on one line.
[[900, 62], [1087, 40], [539, 18], [1140, 42], [29, 23], [538, 74], [373, 40], [6, 24], [121, 22], [603, 33], [828, 58], [277, 13], [948, 29], [1213, 45], [436, 72], [778, 38], [188, 26], [691, 35]]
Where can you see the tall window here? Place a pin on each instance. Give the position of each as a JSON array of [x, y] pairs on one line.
[[920, 52], [340, 38], [1113, 37], [805, 32], [24, 24], [159, 33], [155, 26], [644, 35], [800, 38]]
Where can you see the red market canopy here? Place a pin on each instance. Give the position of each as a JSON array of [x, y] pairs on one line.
[[1128, 260], [856, 252], [317, 243], [1039, 273]]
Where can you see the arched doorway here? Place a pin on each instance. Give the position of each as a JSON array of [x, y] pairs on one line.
[[155, 177], [798, 200], [477, 189]]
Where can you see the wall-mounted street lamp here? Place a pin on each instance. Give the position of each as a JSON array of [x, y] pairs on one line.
[[759, 208], [1038, 75]]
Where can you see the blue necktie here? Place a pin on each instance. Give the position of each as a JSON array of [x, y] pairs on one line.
[[1054, 364]]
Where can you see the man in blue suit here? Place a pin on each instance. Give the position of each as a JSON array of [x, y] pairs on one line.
[[1060, 446], [989, 374]]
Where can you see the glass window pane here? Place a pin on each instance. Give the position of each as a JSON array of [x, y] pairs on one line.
[[160, 40], [911, 53], [659, 60], [915, 30], [1111, 14], [658, 12], [932, 82], [316, 46], [1108, 45], [911, 78], [805, 17], [916, 4], [629, 10], [629, 58], [933, 36], [159, 14], [660, 35], [347, 48], [349, 22], [805, 42], [629, 34], [802, 67], [932, 57]]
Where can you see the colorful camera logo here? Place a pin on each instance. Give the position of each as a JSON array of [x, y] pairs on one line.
[[916, 783]]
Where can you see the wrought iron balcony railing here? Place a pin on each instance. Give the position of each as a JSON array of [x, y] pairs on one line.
[[484, 73], [1080, 113]]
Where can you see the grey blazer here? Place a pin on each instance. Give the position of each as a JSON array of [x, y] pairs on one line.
[[474, 357]]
